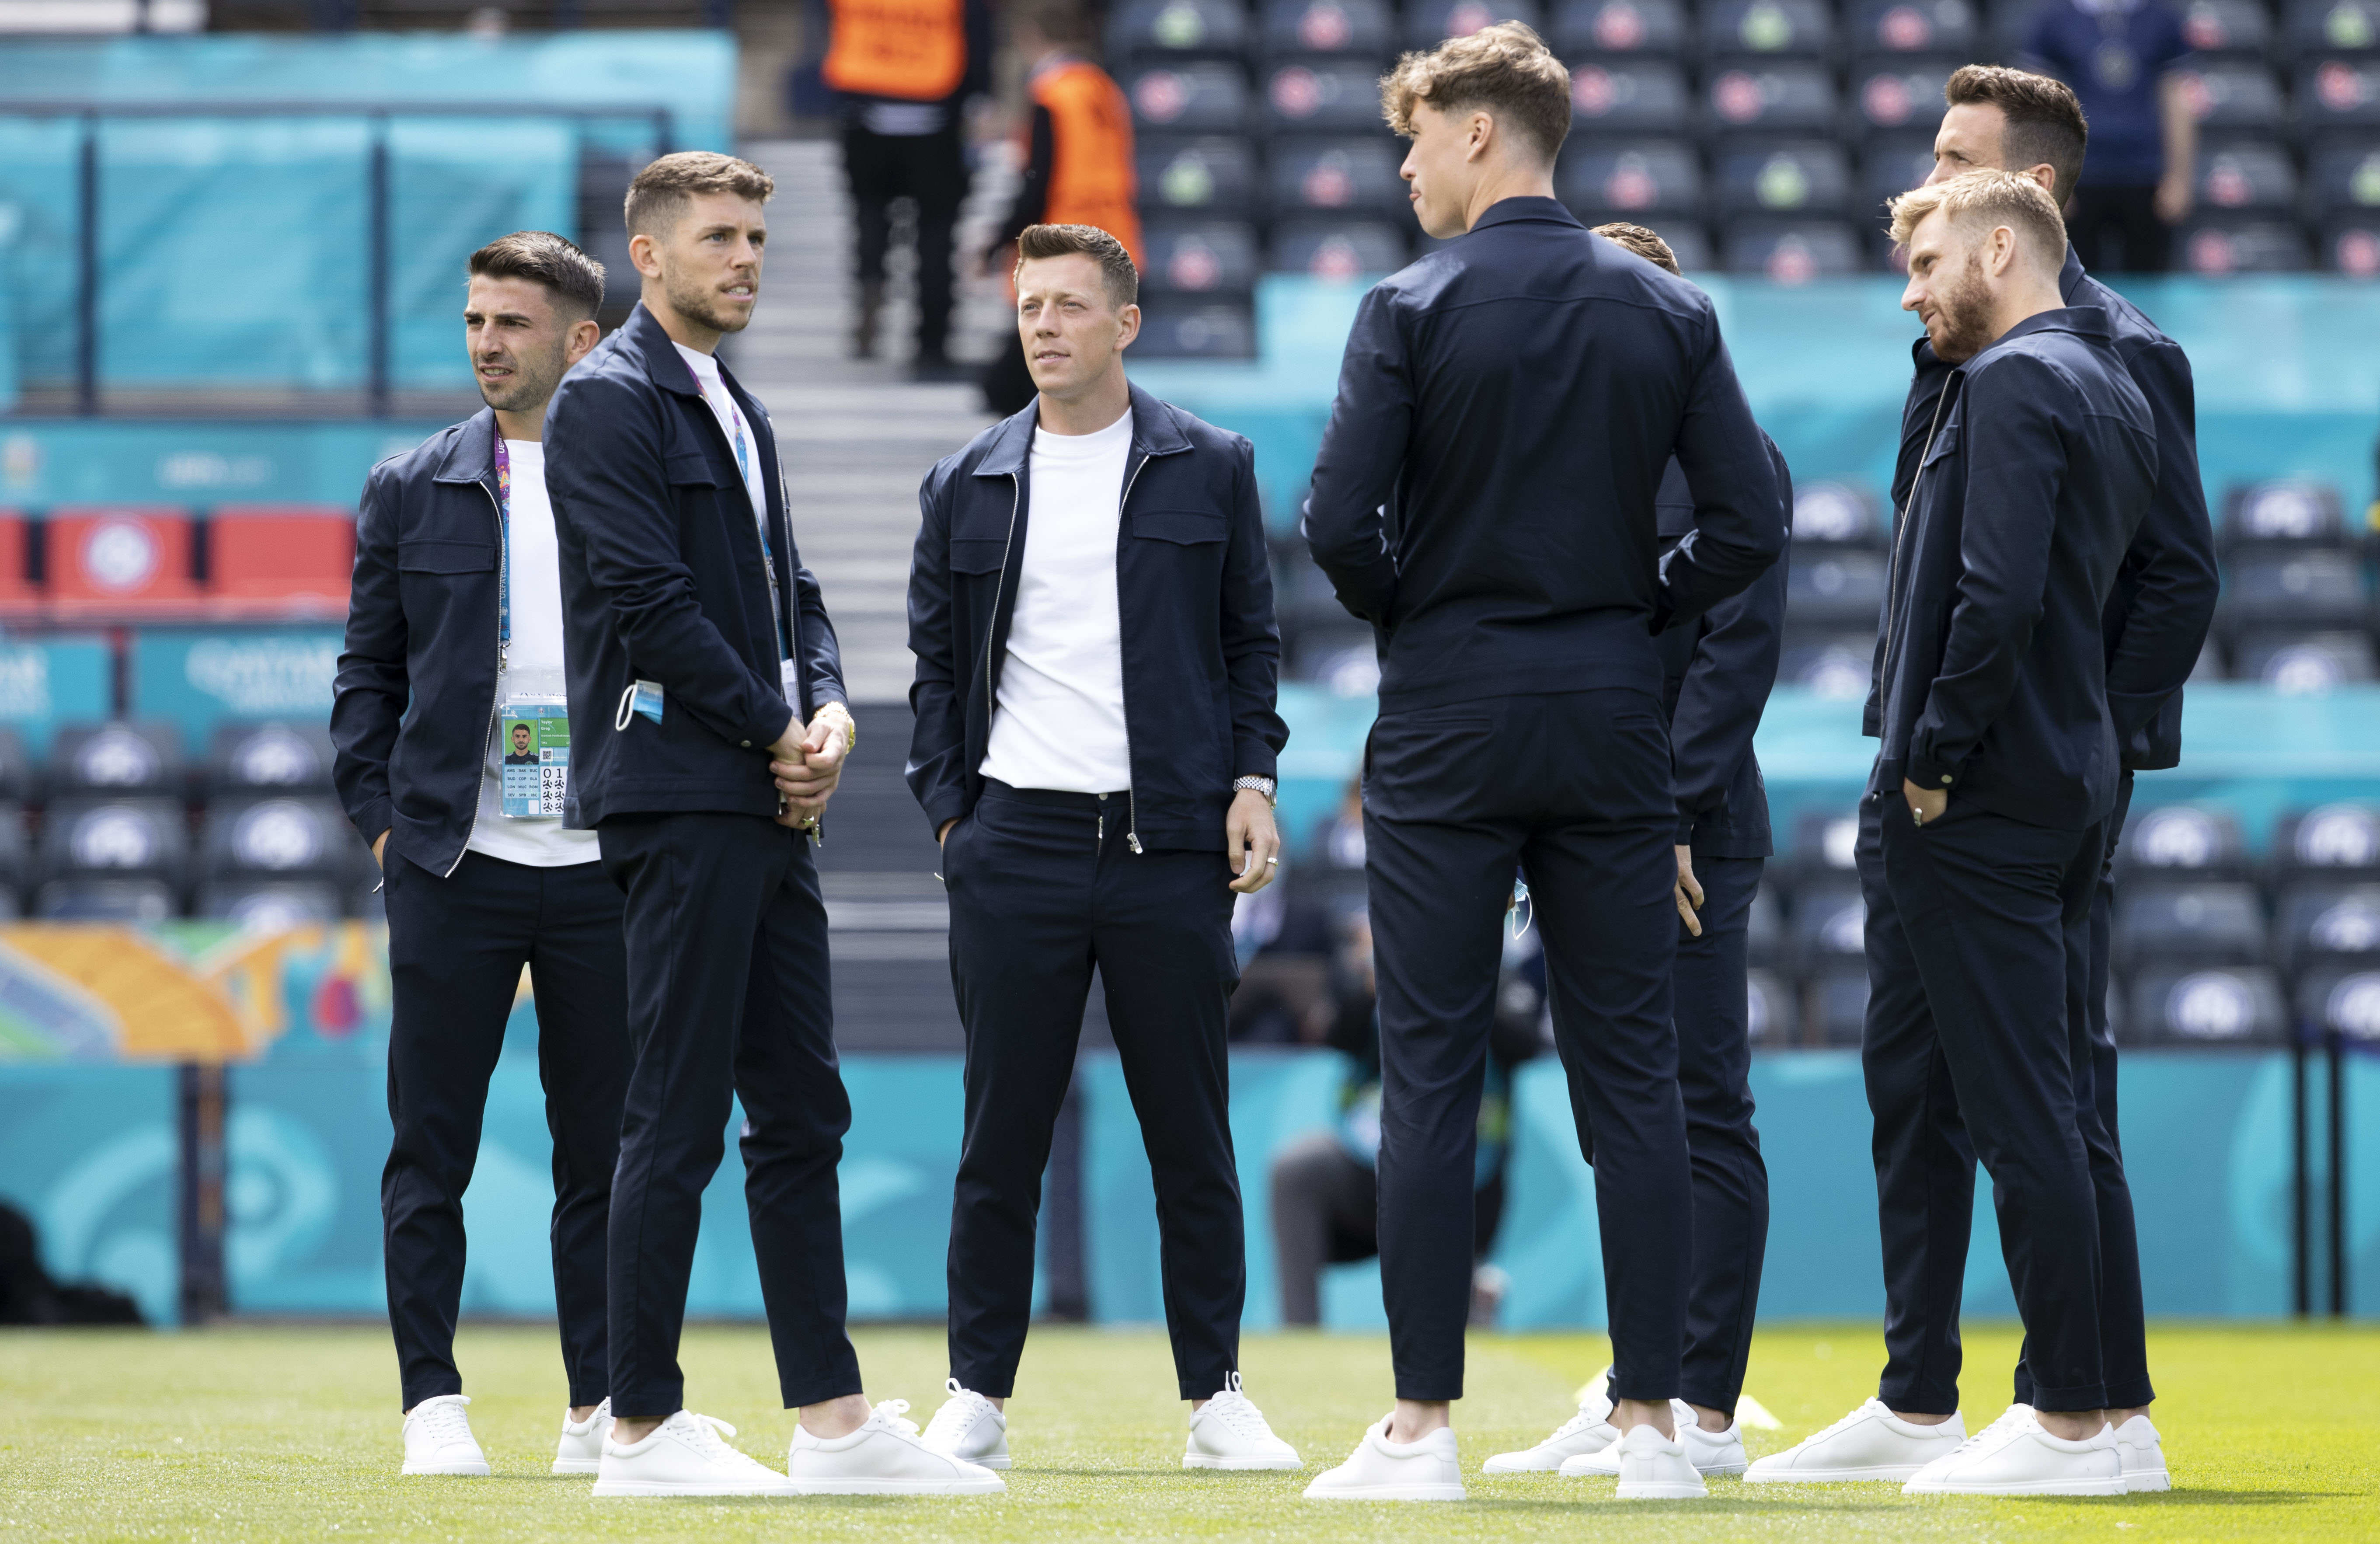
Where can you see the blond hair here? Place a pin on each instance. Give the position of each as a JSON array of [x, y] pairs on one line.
[[1646, 244], [1506, 69], [2000, 197]]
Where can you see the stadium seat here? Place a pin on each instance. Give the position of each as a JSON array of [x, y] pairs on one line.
[[2251, 176], [1338, 176], [19, 777], [1214, 175], [1764, 930], [1762, 29], [2306, 665], [1205, 330], [269, 907], [1690, 243], [2337, 97], [17, 589], [1646, 97], [286, 560], [269, 757], [1600, 28], [2342, 1002], [1342, 660], [2337, 841], [1837, 1007], [1772, 99], [1431, 22], [1889, 167], [2284, 511], [105, 901], [1945, 28], [1339, 250], [1792, 253], [1150, 31], [1198, 259], [15, 864], [2328, 924], [2231, 98], [2332, 26], [1768, 1019], [2317, 588], [277, 838], [1323, 96], [1640, 180], [2183, 842], [1190, 99], [2219, 1007], [1791, 180], [2344, 178], [118, 757], [1840, 588], [1829, 926], [100, 560], [1838, 667], [1359, 28], [1896, 97], [1825, 847], [2227, 29], [2211, 923], [1827, 513], [116, 838], [2352, 246], [2214, 247]]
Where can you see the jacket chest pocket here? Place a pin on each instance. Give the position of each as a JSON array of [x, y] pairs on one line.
[[1946, 440], [688, 468], [426, 555], [977, 554], [1186, 528]]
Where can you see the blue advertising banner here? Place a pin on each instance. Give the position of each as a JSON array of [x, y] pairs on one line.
[[50, 681], [198, 677]]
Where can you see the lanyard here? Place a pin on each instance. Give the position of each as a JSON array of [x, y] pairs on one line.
[[504, 549], [760, 519]]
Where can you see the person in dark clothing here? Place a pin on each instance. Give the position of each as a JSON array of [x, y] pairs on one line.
[[454, 619], [1485, 498], [1716, 676], [2153, 626], [902, 74], [2122, 58], [1983, 828]]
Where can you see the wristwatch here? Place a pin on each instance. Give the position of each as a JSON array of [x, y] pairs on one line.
[[1264, 785]]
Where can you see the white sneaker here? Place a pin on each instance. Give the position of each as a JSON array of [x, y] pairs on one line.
[[582, 1451], [2143, 1456], [1711, 1453], [2014, 1456], [1589, 1431], [884, 1457], [438, 1438], [1869, 1444], [1379, 1470], [968, 1427], [684, 1456], [1654, 1468], [1229, 1432]]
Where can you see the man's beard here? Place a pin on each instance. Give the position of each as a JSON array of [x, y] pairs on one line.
[[1965, 310], [534, 377], [699, 302]]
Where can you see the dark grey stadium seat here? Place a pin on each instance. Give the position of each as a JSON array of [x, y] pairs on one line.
[[1830, 513], [2232, 98], [1359, 28], [2224, 1006], [1950, 27], [1199, 260], [1431, 22], [2183, 842], [1338, 176], [94, 900], [1788, 179], [19, 777], [1889, 167], [116, 838], [1896, 97], [2328, 924], [2227, 29], [1637, 180], [2214, 923], [1792, 251], [281, 839], [2343, 1002], [1154, 32], [118, 757], [1766, 99], [1323, 96], [2252, 176], [2351, 247], [1203, 330], [1638, 97], [268, 905], [281, 755], [1837, 666], [2216, 246], [2344, 178], [1213, 174], [2346, 27], [1825, 847], [1770, 1019], [1828, 923], [2284, 512], [1342, 249], [2337, 841], [1762, 29], [1599, 28], [2304, 664], [1836, 588], [2338, 97], [1189, 99], [2298, 587]]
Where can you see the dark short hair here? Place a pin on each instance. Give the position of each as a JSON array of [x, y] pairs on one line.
[[1506, 68], [574, 279], [1116, 270], [661, 192], [2045, 125], [1646, 244]]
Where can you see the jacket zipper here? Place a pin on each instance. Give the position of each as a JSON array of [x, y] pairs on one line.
[[1900, 542], [496, 693], [1131, 805]]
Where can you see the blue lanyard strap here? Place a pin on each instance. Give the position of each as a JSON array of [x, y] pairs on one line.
[[505, 551], [761, 520]]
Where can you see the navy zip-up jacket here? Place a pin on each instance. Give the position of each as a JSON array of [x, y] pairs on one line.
[[1717, 674], [2163, 601], [417, 683], [1193, 592], [663, 581], [1514, 397], [1991, 673]]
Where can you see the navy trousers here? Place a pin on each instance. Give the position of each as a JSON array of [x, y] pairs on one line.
[[1973, 1049], [456, 949], [1575, 787], [728, 995], [1043, 888]]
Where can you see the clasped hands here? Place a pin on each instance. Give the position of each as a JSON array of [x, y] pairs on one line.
[[809, 764]]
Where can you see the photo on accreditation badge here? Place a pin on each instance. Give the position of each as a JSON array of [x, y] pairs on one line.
[[1264, 771]]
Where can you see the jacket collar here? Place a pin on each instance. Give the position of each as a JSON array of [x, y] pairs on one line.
[[471, 454], [1505, 211], [663, 365], [2069, 278], [2088, 321], [1155, 432]]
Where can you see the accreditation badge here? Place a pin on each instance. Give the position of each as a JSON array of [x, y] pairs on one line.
[[536, 732]]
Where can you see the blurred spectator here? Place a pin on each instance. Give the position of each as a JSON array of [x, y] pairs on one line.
[[2120, 57], [901, 73], [1325, 1191], [28, 1296]]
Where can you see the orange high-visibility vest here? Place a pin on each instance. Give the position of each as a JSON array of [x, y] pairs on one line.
[[1091, 180], [911, 49]]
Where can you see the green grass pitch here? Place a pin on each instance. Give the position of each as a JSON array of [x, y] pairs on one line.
[[272, 1433]]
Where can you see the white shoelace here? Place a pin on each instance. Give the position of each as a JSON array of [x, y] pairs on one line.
[[1870, 1407], [1233, 1409], [958, 1414], [707, 1434], [2011, 1421], [442, 1419], [888, 1415], [1587, 1418]]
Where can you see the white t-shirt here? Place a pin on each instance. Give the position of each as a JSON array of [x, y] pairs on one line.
[[536, 646], [1060, 718]]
